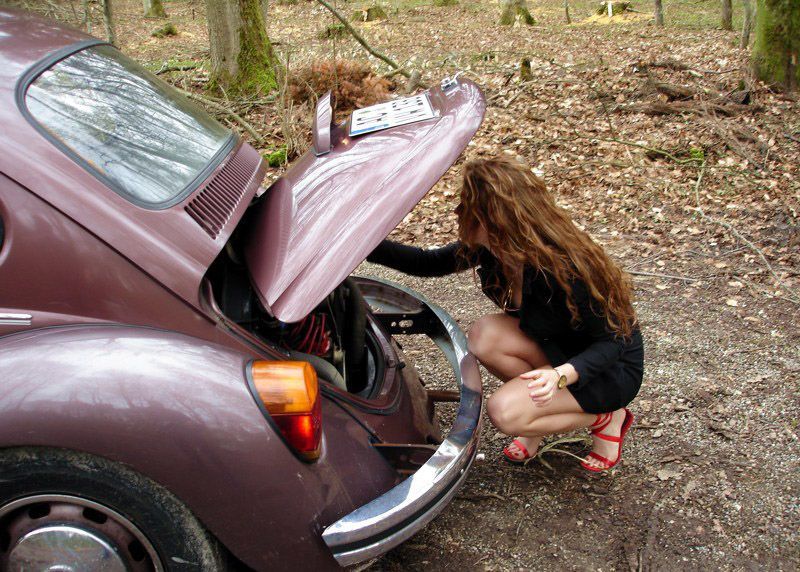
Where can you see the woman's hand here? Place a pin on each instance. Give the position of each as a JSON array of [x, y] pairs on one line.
[[543, 385]]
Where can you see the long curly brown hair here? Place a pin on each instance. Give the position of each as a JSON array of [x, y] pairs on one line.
[[525, 226]]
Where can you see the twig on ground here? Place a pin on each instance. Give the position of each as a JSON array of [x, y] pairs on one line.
[[793, 297], [755, 285], [675, 65], [364, 565], [481, 497], [394, 72], [657, 275], [647, 260], [730, 140], [656, 150], [519, 526], [678, 107], [168, 68]]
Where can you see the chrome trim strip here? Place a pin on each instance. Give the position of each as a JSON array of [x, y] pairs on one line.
[[385, 522], [16, 319]]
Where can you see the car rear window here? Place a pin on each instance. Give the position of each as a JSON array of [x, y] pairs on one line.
[[140, 136]]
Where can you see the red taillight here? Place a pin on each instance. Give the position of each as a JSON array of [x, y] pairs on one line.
[[290, 393]]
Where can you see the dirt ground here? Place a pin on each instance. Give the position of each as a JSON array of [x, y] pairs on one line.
[[710, 472]]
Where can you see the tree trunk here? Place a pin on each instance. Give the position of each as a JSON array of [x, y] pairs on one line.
[[154, 9], [242, 61], [747, 26], [567, 19], [108, 21], [727, 15], [265, 10], [514, 10], [776, 51], [659, 13]]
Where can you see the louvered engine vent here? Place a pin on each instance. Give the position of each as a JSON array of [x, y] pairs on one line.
[[213, 206]]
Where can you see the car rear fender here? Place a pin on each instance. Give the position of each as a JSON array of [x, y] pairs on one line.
[[177, 409]]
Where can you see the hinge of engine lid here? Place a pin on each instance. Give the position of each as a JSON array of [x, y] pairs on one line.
[[406, 458]]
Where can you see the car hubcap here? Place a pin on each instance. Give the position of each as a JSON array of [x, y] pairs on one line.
[[65, 549], [59, 533]]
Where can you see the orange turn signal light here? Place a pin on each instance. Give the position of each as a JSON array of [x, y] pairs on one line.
[[289, 391]]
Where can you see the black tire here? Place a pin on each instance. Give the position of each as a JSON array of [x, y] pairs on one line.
[[179, 539]]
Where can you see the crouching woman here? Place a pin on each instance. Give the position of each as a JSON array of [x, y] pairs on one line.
[[567, 343]]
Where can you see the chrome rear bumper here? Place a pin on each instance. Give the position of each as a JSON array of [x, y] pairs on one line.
[[385, 522]]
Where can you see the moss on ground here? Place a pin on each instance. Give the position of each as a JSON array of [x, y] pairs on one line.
[[167, 29], [514, 10], [370, 14], [277, 158], [617, 8], [336, 30]]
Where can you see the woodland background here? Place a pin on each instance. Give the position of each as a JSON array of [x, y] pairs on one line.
[[663, 143]]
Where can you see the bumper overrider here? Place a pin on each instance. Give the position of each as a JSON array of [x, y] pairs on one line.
[[385, 522]]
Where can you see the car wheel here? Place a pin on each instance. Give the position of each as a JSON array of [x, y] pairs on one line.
[[69, 511]]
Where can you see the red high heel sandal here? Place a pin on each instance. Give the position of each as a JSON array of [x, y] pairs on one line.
[[517, 461], [601, 423]]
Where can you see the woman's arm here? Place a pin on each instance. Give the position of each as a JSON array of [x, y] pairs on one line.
[[417, 261], [605, 348]]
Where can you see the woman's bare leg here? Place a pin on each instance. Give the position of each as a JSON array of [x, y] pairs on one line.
[[507, 352], [514, 413], [502, 348]]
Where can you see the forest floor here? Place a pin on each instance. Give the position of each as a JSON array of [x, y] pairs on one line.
[[710, 477]]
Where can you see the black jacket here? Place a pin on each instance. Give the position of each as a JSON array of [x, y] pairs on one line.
[[592, 349]]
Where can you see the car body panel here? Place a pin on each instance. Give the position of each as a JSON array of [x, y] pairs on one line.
[[168, 244], [56, 258], [327, 213], [110, 345], [178, 411], [396, 515]]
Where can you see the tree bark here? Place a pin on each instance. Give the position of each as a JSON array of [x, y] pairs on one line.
[[659, 12], [776, 51], [265, 10], [727, 15], [567, 19], [154, 9], [108, 22], [747, 25], [242, 61]]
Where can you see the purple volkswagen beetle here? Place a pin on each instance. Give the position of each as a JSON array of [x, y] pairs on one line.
[[189, 378]]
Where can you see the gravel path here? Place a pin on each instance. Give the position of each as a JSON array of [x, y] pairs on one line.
[[710, 473]]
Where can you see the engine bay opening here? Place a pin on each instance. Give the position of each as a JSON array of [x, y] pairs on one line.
[[335, 337]]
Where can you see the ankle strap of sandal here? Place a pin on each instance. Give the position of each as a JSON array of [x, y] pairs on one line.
[[600, 423]]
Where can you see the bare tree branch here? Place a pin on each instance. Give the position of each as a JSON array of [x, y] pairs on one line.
[[363, 42]]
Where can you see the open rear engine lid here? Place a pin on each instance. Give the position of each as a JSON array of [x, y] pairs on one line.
[[327, 213]]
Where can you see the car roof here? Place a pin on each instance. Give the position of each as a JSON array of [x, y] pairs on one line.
[[26, 39]]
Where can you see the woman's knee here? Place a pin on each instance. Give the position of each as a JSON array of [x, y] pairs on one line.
[[482, 337], [502, 413]]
